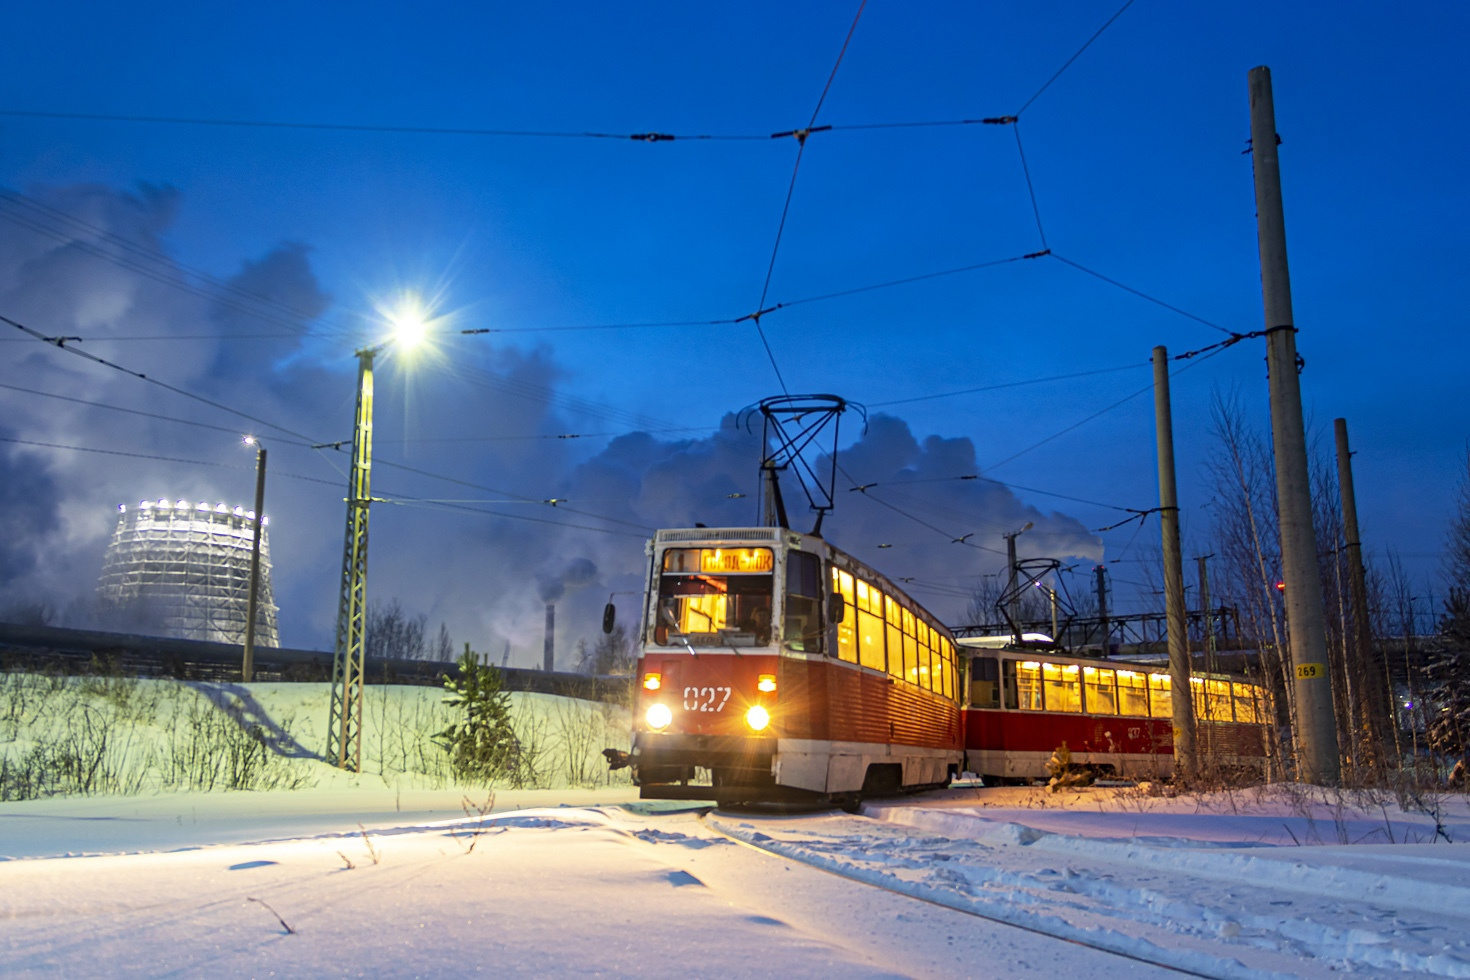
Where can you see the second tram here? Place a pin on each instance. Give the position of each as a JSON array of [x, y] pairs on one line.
[[1115, 717], [775, 666]]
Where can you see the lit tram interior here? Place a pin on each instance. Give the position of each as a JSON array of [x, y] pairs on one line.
[[1010, 683]]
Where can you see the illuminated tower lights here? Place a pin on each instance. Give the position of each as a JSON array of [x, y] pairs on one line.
[[189, 564]]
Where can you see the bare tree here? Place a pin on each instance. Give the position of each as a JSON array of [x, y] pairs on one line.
[[393, 634], [613, 653]]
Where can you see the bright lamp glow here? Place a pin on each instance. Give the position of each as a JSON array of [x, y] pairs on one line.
[[757, 718], [410, 320], [652, 681], [659, 716], [766, 683]]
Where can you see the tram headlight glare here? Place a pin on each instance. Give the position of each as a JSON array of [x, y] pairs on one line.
[[757, 718], [652, 681], [766, 683], [658, 716]]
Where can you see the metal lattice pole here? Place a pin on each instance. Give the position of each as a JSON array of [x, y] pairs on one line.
[[344, 728]]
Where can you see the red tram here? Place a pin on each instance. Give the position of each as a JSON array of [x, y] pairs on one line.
[[775, 666], [1115, 717]]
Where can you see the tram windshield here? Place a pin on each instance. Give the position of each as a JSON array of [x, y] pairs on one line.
[[715, 596]]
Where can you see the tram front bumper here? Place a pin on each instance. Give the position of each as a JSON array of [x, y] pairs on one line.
[[684, 766]]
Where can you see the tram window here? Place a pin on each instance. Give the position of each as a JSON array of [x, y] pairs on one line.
[[870, 639], [1028, 684], [895, 636], [1160, 698], [911, 658], [1008, 683], [946, 657], [1063, 684], [803, 626], [984, 683], [1217, 700], [1100, 690], [926, 659], [842, 584], [1132, 694], [1247, 705]]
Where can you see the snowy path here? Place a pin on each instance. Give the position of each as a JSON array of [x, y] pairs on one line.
[[194, 884], [1224, 910], [592, 890]]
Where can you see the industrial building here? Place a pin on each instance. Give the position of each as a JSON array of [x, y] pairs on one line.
[[184, 568]]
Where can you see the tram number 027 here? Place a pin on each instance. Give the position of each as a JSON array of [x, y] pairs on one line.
[[705, 698]]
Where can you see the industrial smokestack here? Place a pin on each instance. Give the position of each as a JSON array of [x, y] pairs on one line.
[[550, 650]]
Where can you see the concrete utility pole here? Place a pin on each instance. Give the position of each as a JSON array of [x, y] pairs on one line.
[[1315, 729], [1102, 606], [247, 664], [1375, 707], [1185, 763]]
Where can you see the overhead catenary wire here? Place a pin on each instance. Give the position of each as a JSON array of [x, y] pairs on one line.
[[150, 415], [289, 314], [811, 127], [61, 343], [801, 138], [1068, 63], [154, 457], [1213, 350], [649, 137]]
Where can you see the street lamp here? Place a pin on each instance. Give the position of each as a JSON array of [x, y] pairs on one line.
[[410, 325], [247, 663]]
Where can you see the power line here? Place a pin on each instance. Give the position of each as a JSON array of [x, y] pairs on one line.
[[376, 127], [161, 459], [1142, 295], [164, 275], [513, 497], [1030, 187], [1123, 401], [134, 411], [1002, 483], [14, 200], [801, 138], [1010, 384], [1068, 64], [61, 343], [406, 501], [954, 539]]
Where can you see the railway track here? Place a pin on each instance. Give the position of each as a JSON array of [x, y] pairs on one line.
[[1185, 962]]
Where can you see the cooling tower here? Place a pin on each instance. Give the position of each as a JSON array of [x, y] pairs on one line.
[[185, 567]]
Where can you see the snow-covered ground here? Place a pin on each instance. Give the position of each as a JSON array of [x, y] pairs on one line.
[[388, 875]]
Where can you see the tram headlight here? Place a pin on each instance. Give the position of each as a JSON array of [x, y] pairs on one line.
[[757, 718], [652, 681], [766, 683], [658, 716]]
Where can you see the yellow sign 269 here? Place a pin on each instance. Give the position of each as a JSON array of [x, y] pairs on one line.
[[1311, 672]]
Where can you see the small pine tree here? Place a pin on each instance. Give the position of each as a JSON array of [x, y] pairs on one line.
[[483, 747]]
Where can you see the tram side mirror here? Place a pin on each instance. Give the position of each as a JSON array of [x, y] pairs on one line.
[[609, 617], [836, 608]]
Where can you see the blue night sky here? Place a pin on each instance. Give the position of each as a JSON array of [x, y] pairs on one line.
[[258, 255]]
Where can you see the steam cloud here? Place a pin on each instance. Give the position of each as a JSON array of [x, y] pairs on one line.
[[487, 576]]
